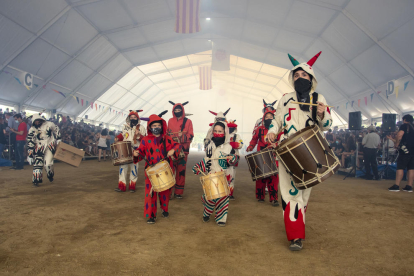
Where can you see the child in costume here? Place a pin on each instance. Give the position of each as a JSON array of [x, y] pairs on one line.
[[218, 147], [220, 117], [42, 139], [236, 143], [296, 117], [156, 146], [267, 106], [133, 131], [180, 128], [258, 139]]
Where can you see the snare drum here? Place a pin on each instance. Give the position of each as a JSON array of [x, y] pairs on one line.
[[307, 157], [160, 176], [262, 164], [122, 153], [215, 185]]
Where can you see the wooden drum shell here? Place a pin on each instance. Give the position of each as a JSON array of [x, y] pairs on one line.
[[122, 153]]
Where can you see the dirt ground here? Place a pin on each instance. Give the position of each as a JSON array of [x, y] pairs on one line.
[[78, 225]]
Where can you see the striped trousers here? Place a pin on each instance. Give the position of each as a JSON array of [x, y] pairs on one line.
[[221, 205]]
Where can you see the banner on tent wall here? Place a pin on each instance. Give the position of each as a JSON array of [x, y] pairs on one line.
[[221, 55], [27, 80], [205, 77], [187, 16]]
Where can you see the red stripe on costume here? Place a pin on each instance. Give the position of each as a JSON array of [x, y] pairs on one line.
[[290, 114], [327, 109], [122, 186], [294, 229]]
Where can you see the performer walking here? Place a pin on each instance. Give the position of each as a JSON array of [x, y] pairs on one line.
[[41, 146], [133, 131], [156, 146], [258, 139], [180, 128], [267, 106], [220, 117], [218, 147], [236, 143], [296, 117]]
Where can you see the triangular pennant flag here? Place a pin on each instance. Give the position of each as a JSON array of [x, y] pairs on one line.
[[92, 105], [110, 109], [396, 91], [372, 96], [96, 106], [347, 105], [379, 92], [36, 85], [59, 93], [359, 102], [352, 104], [87, 103], [99, 107], [405, 85], [82, 101], [17, 79], [386, 93], [366, 100], [337, 108], [77, 99]]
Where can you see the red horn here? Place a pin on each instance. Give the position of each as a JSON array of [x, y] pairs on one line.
[[214, 113], [312, 60]]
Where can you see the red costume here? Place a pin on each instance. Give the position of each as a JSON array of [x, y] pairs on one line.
[[153, 149], [175, 125], [271, 182]]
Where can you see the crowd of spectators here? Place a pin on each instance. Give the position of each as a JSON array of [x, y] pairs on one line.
[[14, 127]]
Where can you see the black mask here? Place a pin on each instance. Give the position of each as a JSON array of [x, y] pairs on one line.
[[218, 140], [178, 114], [267, 123], [134, 122], [232, 129], [303, 87], [156, 130]]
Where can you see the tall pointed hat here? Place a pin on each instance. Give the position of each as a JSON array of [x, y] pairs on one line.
[[307, 67]]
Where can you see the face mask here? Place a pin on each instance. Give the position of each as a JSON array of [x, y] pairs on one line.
[[303, 86], [156, 130], [268, 122], [231, 129], [218, 135], [178, 114], [218, 140], [134, 122]]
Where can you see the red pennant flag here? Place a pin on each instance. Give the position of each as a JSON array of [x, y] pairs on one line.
[[92, 105], [187, 17], [96, 106], [205, 77], [82, 101], [359, 102], [366, 100]]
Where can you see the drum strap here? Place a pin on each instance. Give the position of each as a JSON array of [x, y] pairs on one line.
[[314, 100], [184, 121]]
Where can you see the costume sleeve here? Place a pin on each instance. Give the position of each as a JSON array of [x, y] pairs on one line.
[[326, 122], [201, 166], [120, 137], [171, 144], [255, 138], [56, 132], [31, 142], [277, 121], [190, 131], [141, 150], [238, 143]]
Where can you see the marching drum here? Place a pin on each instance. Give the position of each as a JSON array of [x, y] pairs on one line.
[[307, 157], [160, 176], [262, 164], [215, 185], [122, 153]]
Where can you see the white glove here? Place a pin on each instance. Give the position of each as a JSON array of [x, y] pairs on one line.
[[30, 160]]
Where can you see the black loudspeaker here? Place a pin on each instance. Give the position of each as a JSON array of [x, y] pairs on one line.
[[86, 116], [355, 120], [388, 121]]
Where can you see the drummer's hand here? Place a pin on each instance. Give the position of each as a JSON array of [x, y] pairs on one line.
[[273, 145], [249, 149], [136, 153], [321, 109], [170, 153], [116, 139], [137, 131], [271, 137], [180, 134]]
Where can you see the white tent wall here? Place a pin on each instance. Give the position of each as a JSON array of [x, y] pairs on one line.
[[70, 47]]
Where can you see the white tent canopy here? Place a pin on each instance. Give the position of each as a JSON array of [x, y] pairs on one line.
[[124, 54]]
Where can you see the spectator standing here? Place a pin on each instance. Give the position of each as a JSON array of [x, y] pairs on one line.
[[11, 124], [3, 162], [21, 133], [405, 143], [371, 141], [329, 136], [102, 144]]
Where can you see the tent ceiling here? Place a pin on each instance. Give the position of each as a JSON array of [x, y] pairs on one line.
[[125, 54]]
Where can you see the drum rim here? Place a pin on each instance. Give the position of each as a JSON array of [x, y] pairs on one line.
[[293, 137], [286, 147]]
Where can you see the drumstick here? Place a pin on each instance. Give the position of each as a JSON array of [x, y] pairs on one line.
[[310, 104], [201, 172], [177, 132], [221, 158]]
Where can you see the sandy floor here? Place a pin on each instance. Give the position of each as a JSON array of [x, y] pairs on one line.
[[79, 226]]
